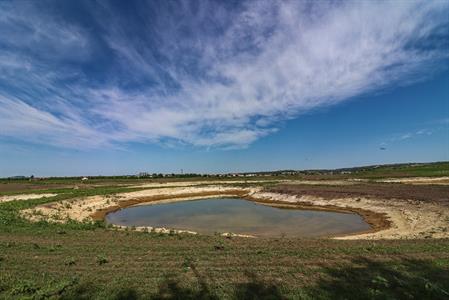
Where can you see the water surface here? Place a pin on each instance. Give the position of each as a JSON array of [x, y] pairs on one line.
[[209, 216]]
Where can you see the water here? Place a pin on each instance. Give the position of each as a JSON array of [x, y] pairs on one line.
[[209, 216]]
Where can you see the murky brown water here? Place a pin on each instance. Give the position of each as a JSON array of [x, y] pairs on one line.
[[209, 216]]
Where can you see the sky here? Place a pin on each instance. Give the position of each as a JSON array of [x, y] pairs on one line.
[[120, 87]]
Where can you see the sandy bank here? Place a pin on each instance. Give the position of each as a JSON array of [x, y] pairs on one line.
[[24, 197], [418, 180]]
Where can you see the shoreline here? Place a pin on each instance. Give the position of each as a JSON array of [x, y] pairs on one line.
[[389, 219]]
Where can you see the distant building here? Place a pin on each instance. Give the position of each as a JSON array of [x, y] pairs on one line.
[[84, 179]]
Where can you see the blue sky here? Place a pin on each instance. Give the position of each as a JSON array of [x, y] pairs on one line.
[[115, 87]]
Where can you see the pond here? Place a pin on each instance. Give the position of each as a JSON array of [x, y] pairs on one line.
[[240, 216]]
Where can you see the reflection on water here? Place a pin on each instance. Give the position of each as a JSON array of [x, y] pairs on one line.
[[208, 216]]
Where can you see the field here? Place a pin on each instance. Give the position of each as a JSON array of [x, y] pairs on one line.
[[89, 260]]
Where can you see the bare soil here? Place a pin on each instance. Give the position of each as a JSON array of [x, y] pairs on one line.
[[426, 193]]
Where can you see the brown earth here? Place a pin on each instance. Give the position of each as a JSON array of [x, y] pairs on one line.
[[426, 193]]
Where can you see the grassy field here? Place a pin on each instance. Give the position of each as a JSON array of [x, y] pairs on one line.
[[405, 170], [91, 261], [97, 263], [437, 169]]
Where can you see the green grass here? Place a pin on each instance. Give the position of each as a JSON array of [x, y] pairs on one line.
[[105, 264], [408, 170]]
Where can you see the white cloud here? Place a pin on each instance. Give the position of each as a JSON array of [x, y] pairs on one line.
[[271, 62]]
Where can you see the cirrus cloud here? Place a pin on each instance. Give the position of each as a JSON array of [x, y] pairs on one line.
[[203, 73]]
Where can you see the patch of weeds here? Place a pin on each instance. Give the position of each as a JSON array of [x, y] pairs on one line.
[[10, 244], [99, 224], [24, 287], [219, 245], [380, 281], [55, 289], [101, 260], [53, 248], [70, 261], [187, 263]]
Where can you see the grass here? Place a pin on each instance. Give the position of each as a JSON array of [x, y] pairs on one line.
[[105, 264], [89, 261], [406, 170]]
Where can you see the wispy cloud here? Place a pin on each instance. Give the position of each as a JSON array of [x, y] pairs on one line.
[[203, 73], [408, 136]]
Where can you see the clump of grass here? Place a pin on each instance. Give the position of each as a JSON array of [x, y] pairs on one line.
[[24, 287], [187, 263], [101, 260], [70, 261], [219, 245]]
